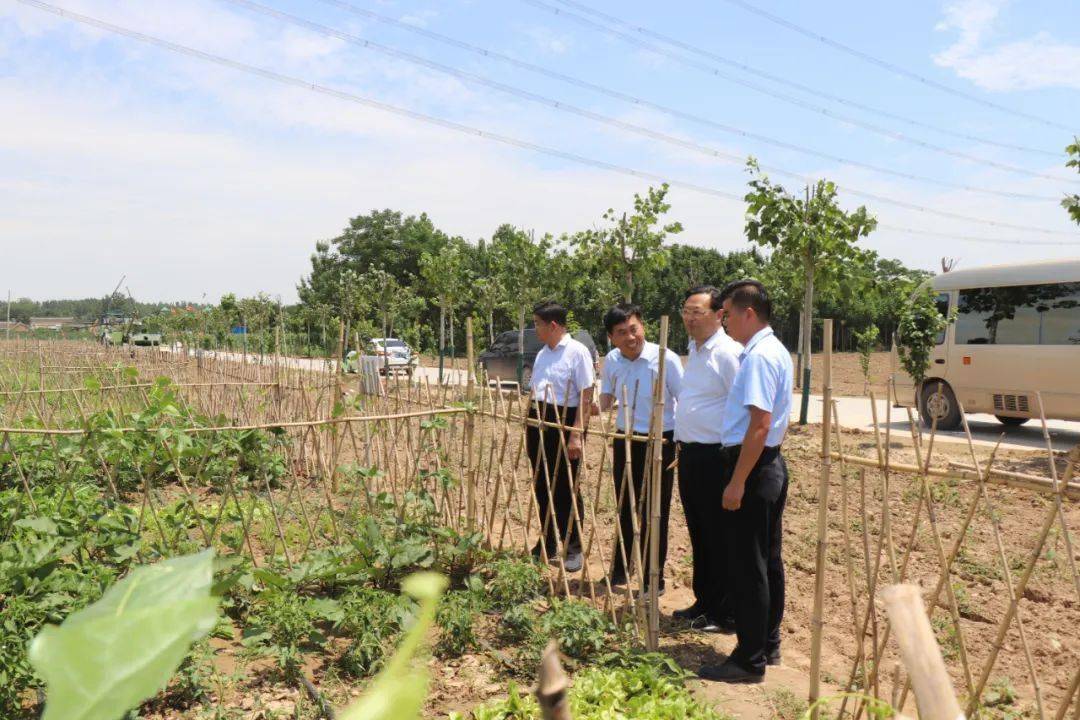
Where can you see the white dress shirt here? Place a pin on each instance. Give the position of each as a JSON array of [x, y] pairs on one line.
[[764, 381], [559, 375], [710, 371], [638, 376]]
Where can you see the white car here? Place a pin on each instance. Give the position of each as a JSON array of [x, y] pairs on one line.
[[393, 356]]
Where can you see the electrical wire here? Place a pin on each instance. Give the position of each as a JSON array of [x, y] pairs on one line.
[[449, 124], [790, 99], [894, 68]]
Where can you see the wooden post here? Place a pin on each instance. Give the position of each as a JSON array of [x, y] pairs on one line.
[[656, 432], [470, 428], [922, 656], [817, 622], [551, 690]]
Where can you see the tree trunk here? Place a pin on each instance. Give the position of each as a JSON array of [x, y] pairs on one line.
[[442, 338], [491, 327], [629, 285], [808, 326], [521, 347]]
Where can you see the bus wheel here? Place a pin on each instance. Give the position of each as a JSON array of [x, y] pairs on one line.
[[1011, 421], [940, 404]]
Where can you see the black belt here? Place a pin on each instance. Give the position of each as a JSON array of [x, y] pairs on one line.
[[699, 446]]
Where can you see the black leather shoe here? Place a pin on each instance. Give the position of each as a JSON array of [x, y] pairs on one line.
[[689, 613], [729, 672], [726, 625], [617, 579], [773, 657]]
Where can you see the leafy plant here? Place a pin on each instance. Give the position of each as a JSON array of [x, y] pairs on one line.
[[1072, 202], [282, 624], [580, 628], [143, 625], [373, 618], [519, 623], [865, 342], [456, 618], [513, 581], [920, 325]]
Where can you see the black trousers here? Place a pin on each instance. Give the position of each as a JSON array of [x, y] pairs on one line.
[[753, 536], [701, 476], [624, 541], [549, 461]]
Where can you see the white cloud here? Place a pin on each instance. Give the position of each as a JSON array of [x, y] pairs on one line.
[[1029, 63]]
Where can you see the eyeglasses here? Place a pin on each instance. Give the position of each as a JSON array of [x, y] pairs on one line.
[[695, 312]]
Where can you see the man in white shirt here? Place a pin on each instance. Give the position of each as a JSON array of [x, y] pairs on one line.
[[756, 486], [710, 370], [562, 382], [627, 380]]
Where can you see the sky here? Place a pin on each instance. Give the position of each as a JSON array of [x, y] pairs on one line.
[[193, 178]]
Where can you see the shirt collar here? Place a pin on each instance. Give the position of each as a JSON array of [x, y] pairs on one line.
[[758, 337], [563, 340], [708, 344]]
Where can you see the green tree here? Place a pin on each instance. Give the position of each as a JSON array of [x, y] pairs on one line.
[[391, 302], [446, 274], [521, 264], [633, 244], [1072, 202], [813, 229]]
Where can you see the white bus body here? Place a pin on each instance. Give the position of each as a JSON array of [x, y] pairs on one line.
[[1016, 333]]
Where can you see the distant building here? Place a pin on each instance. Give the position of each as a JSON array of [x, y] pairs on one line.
[[54, 323], [13, 326]]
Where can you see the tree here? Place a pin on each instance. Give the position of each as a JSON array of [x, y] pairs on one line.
[[633, 244], [1072, 202], [446, 274], [521, 263], [488, 294], [921, 322], [814, 230], [390, 301]]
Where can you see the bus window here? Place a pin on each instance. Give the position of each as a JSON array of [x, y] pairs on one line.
[[943, 308], [1022, 315]]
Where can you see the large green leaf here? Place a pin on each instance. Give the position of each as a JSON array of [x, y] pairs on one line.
[[109, 657]]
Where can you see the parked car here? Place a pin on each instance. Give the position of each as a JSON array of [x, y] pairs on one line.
[[500, 361], [393, 355]]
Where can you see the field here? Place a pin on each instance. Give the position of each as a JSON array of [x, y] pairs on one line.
[[322, 498]]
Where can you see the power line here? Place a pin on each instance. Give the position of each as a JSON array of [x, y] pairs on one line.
[[894, 68], [813, 92], [784, 97], [615, 122], [293, 81]]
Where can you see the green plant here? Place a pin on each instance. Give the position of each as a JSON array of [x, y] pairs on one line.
[[865, 341], [456, 619], [519, 623], [143, 625], [512, 582], [282, 624], [580, 628], [373, 618], [921, 322], [643, 690]]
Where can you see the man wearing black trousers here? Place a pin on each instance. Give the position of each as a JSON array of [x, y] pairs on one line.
[[710, 370], [627, 380], [756, 486], [562, 381]]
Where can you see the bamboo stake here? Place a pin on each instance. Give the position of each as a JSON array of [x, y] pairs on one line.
[[817, 622]]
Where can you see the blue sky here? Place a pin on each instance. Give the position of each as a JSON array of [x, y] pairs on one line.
[[191, 178]]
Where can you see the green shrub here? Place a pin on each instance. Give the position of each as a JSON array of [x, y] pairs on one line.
[[518, 624], [456, 618], [373, 618], [580, 629], [513, 582]]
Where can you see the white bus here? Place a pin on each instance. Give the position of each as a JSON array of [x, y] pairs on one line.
[[1017, 332]]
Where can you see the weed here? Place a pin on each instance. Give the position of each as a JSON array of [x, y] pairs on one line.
[[281, 625], [785, 704], [456, 617], [519, 623], [580, 628], [373, 618], [512, 582]]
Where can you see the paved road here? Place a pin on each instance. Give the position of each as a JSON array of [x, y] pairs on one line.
[[854, 412]]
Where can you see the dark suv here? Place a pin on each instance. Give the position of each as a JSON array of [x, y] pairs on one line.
[[500, 361]]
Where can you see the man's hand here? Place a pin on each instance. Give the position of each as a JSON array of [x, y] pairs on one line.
[[574, 445], [733, 494]]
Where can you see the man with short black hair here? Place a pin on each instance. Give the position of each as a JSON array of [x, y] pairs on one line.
[[627, 380], [711, 365], [756, 486], [562, 382]]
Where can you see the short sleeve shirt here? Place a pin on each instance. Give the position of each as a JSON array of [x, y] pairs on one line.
[[561, 374], [633, 381], [707, 379], [764, 381]]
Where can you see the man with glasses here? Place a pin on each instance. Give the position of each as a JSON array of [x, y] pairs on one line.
[[628, 380], [756, 484], [711, 366], [562, 382]]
